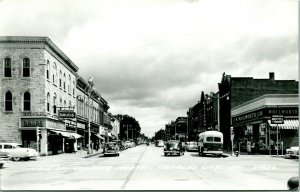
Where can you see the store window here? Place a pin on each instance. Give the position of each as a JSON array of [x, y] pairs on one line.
[[27, 100], [8, 101], [7, 67], [26, 67]]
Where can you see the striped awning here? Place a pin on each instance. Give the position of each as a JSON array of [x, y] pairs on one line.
[[288, 124], [67, 134]]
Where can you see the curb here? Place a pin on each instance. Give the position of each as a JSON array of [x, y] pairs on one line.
[[92, 155]]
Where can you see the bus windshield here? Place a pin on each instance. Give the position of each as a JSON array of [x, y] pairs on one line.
[[213, 139]]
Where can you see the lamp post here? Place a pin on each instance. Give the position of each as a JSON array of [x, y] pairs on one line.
[[91, 84]]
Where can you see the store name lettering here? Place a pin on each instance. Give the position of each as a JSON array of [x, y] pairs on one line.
[[33, 123]]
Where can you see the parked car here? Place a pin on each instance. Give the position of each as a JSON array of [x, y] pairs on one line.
[[18, 152], [128, 144], [160, 143], [293, 183], [119, 142], [4, 157], [191, 146], [111, 148], [174, 147], [293, 152]]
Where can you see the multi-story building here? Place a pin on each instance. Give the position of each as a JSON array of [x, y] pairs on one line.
[[37, 78], [234, 91]]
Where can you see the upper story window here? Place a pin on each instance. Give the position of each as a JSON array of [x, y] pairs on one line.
[[26, 67], [48, 70], [7, 67], [69, 84], [60, 102], [64, 81], [65, 103], [54, 75], [54, 103], [48, 102], [26, 105], [60, 76], [8, 101], [73, 88]]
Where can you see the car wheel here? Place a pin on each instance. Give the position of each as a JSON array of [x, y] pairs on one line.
[[1, 165], [16, 158], [165, 154]]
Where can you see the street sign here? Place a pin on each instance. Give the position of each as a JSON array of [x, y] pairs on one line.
[[64, 114], [277, 119]]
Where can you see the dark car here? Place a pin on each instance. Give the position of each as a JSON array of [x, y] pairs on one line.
[[111, 148], [174, 147], [119, 142]]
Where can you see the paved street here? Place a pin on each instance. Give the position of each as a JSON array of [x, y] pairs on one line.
[[145, 167]]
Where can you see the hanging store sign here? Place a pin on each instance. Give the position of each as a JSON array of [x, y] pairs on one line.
[[66, 114], [277, 119]]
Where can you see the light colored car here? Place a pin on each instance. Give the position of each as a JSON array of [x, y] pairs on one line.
[[111, 148], [191, 146], [160, 143], [18, 152], [128, 144], [293, 152]]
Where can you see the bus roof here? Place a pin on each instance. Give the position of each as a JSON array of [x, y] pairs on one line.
[[212, 133]]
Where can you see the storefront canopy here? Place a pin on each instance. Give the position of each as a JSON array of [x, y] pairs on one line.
[[67, 134], [288, 124]]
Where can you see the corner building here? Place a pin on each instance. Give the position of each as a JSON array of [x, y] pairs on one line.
[[36, 79]]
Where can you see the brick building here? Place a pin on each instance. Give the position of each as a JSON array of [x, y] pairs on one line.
[[243, 89], [36, 79]]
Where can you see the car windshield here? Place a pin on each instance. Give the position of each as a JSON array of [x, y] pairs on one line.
[[172, 144], [111, 145], [191, 143]]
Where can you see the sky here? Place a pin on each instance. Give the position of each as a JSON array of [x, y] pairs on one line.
[[151, 59]]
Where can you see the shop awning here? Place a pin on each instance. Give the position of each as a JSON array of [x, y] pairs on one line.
[[67, 134], [99, 136], [288, 124]]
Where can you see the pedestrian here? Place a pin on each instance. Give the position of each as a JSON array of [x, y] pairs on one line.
[[249, 147], [272, 146], [253, 147]]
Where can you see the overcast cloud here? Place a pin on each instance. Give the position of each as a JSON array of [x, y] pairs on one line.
[[151, 59]]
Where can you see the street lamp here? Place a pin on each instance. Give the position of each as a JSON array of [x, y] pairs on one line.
[[90, 88]]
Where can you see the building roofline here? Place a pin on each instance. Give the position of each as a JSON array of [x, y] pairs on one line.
[[39, 39]]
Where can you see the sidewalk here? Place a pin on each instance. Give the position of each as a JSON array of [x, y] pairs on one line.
[[243, 154]]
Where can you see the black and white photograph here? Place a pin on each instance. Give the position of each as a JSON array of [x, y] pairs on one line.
[[149, 95]]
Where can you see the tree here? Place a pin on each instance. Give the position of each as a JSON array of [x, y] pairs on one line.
[[131, 125]]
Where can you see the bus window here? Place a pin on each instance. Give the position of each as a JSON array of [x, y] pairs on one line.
[[217, 139], [209, 138]]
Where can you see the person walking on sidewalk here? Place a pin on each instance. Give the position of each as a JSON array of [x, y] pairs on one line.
[[249, 147]]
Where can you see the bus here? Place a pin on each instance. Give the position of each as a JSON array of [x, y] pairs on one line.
[[210, 142]]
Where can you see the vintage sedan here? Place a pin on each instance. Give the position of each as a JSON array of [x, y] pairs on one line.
[[174, 147], [191, 146], [293, 152], [111, 148], [18, 152], [4, 157]]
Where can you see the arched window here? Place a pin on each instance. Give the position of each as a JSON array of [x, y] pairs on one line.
[[60, 76], [48, 69], [69, 84], [54, 103], [65, 103], [60, 103], [48, 102], [8, 101], [26, 67], [73, 88], [27, 99], [54, 75], [70, 104], [64, 81], [7, 67]]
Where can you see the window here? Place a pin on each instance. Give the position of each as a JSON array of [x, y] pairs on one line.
[[48, 102], [54, 75], [69, 84], [8, 101], [8, 146], [73, 88], [26, 101], [7, 67], [48, 69], [54, 103], [217, 139], [64, 81], [60, 76], [26, 67], [60, 103], [209, 138], [65, 103], [70, 104]]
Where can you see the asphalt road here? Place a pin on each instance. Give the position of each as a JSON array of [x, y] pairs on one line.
[[146, 168]]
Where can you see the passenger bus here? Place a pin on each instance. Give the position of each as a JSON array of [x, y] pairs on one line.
[[210, 142]]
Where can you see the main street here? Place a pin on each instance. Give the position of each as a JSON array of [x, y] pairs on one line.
[[145, 167]]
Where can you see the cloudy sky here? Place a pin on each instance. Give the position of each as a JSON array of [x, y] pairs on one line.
[[151, 59]]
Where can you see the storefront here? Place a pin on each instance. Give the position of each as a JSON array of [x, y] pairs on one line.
[[52, 135], [252, 122]]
